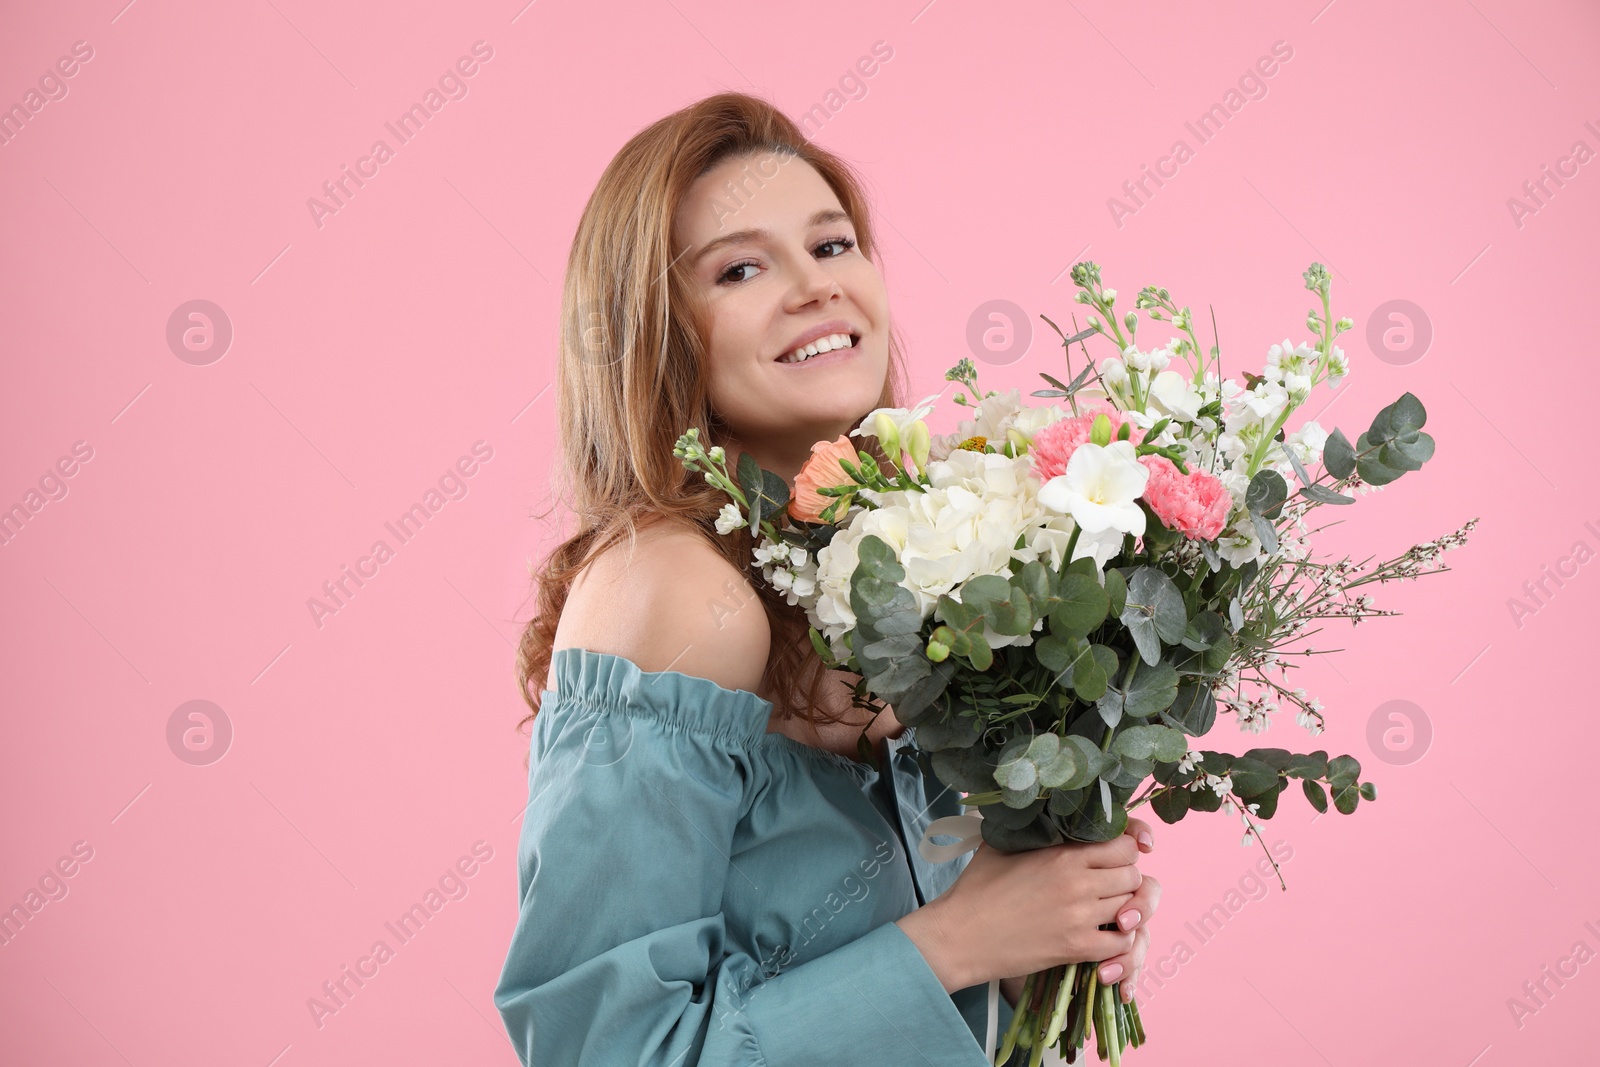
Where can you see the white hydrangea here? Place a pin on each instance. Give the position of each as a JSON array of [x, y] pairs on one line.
[[993, 419], [967, 523]]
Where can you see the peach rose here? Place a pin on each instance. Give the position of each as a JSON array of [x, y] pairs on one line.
[[822, 470]]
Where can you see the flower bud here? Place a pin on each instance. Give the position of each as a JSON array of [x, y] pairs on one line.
[[887, 433], [918, 444], [1100, 430], [1109, 296]]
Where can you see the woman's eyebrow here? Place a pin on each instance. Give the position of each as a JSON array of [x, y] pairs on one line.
[[826, 215]]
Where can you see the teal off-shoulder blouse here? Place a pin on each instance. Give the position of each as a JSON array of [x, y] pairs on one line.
[[698, 891]]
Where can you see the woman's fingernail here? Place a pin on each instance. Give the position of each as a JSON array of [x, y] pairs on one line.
[[1128, 920], [1110, 973], [1144, 838]]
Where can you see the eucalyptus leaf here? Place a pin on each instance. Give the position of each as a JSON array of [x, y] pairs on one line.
[[971, 770], [1090, 760], [1338, 456], [1129, 771], [1116, 591], [1314, 765], [1342, 769], [1060, 767], [957, 733], [1323, 495], [1014, 818], [1252, 777], [1193, 709], [1266, 533], [1152, 741], [1170, 805], [1266, 493], [1018, 798], [1081, 606], [1040, 833], [1153, 613], [1152, 688]]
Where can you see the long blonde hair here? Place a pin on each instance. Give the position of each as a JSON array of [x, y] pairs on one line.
[[632, 373]]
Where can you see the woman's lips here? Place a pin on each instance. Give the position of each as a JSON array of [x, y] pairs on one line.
[[838, 355]]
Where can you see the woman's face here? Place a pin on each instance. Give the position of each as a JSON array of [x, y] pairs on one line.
[[776, 262]]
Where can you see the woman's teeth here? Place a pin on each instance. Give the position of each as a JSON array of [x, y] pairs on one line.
[[821, 344]]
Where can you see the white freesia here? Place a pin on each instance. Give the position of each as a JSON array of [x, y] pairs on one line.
[[900, 418], [1100, 488]]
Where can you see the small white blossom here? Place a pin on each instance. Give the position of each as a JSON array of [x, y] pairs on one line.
[[729, 519]]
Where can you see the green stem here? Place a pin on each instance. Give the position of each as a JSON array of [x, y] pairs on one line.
[[1009, 1043], [1058, 1015]]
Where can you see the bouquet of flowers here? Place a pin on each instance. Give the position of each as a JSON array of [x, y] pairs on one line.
[[1059, 598]]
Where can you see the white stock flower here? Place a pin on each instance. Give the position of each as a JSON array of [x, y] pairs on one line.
[[1338, 366], [1285, 359], [1135, 359], [1265, 401], [1238, 543], [1307, 442], [1100, 488], [1161, 357], [729, 519], [1114, 372]]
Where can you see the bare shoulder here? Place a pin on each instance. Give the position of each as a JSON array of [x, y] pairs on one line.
[[673, 603]]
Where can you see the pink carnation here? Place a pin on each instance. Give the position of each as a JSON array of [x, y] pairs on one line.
[[1054, 444], [1195, 504]]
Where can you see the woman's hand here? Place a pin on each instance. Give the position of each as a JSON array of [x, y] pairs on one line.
[[1134, 915], [1017, 913]]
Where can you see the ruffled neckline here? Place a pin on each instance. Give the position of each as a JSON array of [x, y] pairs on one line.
[[690, 701]]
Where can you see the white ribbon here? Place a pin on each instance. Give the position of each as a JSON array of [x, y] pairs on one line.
[[969, 828]]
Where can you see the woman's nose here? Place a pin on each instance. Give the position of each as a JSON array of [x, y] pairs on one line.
[[814, 282]]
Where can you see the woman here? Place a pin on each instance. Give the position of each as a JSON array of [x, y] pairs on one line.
[[707, 874]]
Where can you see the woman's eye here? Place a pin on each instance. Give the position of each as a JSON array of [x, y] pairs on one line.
[[845, 244]]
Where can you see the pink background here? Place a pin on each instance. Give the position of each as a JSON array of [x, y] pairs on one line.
[[370, 752]]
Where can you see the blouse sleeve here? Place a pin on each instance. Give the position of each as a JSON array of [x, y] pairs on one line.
[[620, 954]]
